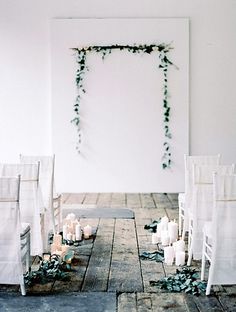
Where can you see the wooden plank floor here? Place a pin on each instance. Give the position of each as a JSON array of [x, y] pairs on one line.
[[109, 262]]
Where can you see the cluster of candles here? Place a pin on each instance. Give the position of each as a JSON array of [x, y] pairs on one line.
[[72, 230], [167, 235], [57, 248]]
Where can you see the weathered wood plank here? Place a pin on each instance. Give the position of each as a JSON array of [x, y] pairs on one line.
[[76, 276], [161, 200], [133, 200], [173, 198], [118, 200], [207, 303], [97, 274], [172, 214], [104, 199], [90, 199], [64, 197], [147, 201], [170, 302], [75, 198], [125, 275], [144, 302], [127, 302], [228, 302]]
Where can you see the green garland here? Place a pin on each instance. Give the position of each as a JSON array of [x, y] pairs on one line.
[[164, 62]]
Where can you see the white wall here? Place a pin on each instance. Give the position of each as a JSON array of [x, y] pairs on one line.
[[25, 68]]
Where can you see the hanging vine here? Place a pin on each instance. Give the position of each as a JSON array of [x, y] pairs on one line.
[[164, 63]]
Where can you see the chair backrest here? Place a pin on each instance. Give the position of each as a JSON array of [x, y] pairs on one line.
[[203, 188], [224, 230], [189, 161], [28, 172], [31, 203], [11, 271], [46, 175]]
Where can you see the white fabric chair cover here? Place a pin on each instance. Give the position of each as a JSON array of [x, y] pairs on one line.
[[202, 203], [11, 268], [223, 233], [189, 161], [47, 185], [31, 203]]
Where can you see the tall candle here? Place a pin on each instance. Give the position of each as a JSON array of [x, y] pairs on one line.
[[158, 231], [53, 248], [57, 239], [78, 233], [169, 255], [165, 238], [164, 223], [180, 258], [87, 231], [173, 231], [69, 236], [70, 216], [179, 245], [65, 231], [155, 238]]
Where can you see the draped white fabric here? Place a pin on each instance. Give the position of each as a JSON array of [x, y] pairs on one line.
[[223, 234], [46, 182], [11, 270], [189, 161], [202, 201], [31, 203]]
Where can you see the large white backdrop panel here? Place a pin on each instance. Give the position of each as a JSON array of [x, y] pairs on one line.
[[121, 112]]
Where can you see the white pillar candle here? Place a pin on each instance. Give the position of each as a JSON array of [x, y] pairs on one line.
[[180, 258], [57, 239], [164, 223], [69, 236], [73, 237], [53, 248], [87, 231], [155, 238], [179, 245], [65, 231], [71, 216], [169, 255], [73, 225], [158, 231], [78, 233], [173, 231], [165, 238]]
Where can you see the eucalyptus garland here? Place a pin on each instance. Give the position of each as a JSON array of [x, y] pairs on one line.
[[164, 63], [185, 280], [48, 271]]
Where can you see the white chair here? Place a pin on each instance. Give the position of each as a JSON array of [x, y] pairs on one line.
[[52, 200], [14, 237], [202, 205], [187, 196], [219, 236], [31, 203]]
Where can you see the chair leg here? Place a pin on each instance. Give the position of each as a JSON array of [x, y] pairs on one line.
[[180, 222], [190, 255], [22, 288], [203, 258], [208, 289], [184, 229]]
